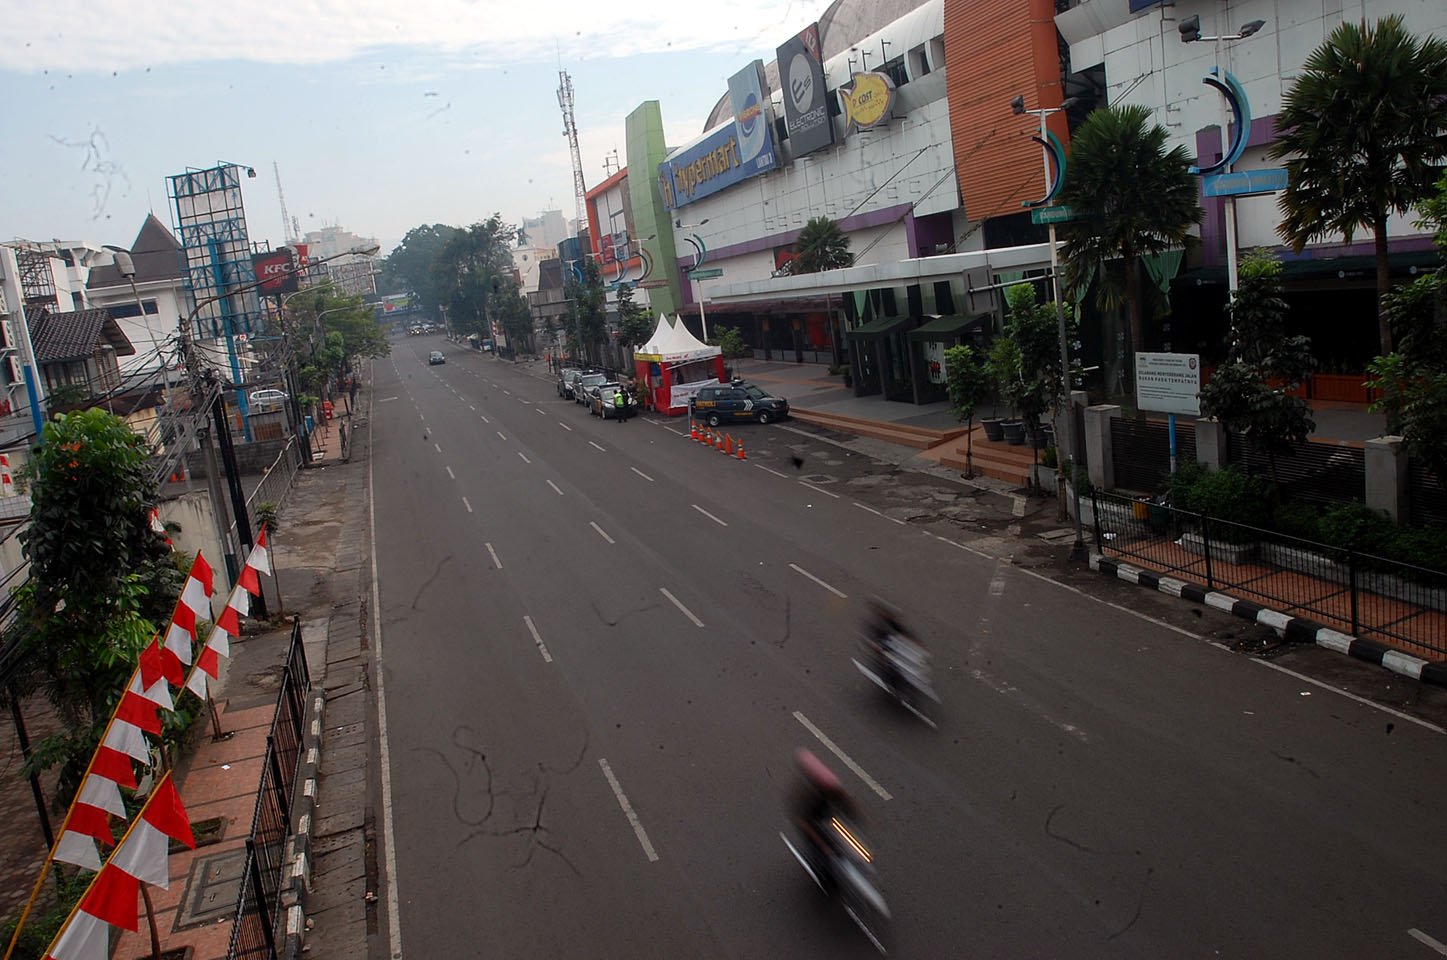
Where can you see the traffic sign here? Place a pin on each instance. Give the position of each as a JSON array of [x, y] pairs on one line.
[[1244, 183], [1060, 213], [708, 273]]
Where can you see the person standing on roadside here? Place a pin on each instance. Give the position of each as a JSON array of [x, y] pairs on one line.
[[620, 405]]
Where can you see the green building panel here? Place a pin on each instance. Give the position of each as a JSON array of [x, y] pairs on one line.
[[646, 150]]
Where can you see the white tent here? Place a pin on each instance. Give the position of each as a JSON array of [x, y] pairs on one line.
[[674, 344], [675, 365]]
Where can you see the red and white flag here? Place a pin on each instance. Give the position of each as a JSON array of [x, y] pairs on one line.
[[158, 527], [192, 607], [258, 561], [218, 643], [83, 937], [145, 851]]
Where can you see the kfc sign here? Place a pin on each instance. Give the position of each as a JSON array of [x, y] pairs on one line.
[[278, 270]]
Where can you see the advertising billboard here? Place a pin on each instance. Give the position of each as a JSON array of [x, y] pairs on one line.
[[806, 105], [731, 153], [867, 100], [276, 271]]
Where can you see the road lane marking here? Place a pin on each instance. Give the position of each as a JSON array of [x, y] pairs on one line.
[[506, 391], [633, 820], [817, 490], [771, 470], [484, 418], [1350, 696], [592, 444], [709, 515], [565, 426], [438, 446], [1012, 692], [502, 435], [672, 430], [641, 474], [421, 417], [997, 584], [539, 410], [877, 513], [600, 531], [450, 474], [386, 399], [798, 569], [394, 918], [467, 505], [844, 758], [679, 604], [495, 560], [542, 647], [472, 408], [524, 456], [555, 488], [1422, 938]]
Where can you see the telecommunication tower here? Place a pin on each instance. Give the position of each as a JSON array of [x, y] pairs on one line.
[[570, 130], [287, 223]]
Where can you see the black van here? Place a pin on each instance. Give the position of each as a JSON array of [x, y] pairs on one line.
[[739, 400]]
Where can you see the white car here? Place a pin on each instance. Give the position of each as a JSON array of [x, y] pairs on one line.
[[268, 398]]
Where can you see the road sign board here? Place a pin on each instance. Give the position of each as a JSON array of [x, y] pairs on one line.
[[1168, 382], [707, 273], [1244, 183], [1060, 213]]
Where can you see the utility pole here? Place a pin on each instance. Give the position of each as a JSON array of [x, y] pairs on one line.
[[233, 482]]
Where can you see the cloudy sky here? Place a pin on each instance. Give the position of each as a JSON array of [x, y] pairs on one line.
[[380, 116]]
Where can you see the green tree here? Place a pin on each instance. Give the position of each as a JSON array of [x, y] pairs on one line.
[[1413, 378], [820, 246], [587, 314], [470, 269], [101, 580], [409, 267], [635, 323], [731, 343], [330, 330], [1361, 131], [1251, 393], [509, 309], [1133, 197], [1028, 365], [968, 383]]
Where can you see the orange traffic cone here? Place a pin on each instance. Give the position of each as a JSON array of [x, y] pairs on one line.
[[728, 446], [741, 451], [692, 430]]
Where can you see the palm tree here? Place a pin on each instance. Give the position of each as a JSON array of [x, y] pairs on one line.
[[1361, 134], [1133, 197], [821, 245]]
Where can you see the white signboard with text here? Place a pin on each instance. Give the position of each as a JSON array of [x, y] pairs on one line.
[[1168, 382]]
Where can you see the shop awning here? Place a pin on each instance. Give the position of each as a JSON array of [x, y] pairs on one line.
[[945, 328], [874, 329]]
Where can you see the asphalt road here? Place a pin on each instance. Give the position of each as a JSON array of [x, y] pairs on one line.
[[603, 642]]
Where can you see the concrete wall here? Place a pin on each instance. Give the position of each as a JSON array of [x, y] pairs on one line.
[[251, 458]]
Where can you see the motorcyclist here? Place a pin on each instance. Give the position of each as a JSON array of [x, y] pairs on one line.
[[820, 798]]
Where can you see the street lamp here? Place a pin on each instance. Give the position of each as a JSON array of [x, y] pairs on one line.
[[700, 254], [1017, 106], [1190, 29]]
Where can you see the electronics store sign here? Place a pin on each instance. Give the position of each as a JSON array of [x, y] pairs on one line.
[[732, 153], [1168, 382]]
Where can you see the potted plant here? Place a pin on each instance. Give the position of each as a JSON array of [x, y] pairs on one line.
[[994, 428], [968, 384], [1014, 432]]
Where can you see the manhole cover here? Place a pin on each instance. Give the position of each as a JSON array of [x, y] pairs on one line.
[[818, 478], [211, 889]]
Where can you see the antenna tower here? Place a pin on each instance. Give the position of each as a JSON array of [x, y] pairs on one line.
[[570, 130], [287, 223]]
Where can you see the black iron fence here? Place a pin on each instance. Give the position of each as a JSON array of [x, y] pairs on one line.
[[1312, 472], [257, 930], [1426, 496], [1395, 603], [1141, 451]]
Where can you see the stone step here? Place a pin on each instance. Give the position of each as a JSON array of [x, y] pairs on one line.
[[919, 438]]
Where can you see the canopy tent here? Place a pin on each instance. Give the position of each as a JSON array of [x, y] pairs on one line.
[[674, 364]]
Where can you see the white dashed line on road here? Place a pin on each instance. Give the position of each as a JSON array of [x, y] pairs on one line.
[[709, 515], [592, 444], [1427, 941], [817, 490], [467, 505], [501, 435], [542, 648], [438, 447], [472, 408], [484, 418], [421, 417], [633, 820], [844, 758], [450, 474], [556, 490], [641, 474], [565, 426], [496, 562], [541, 410], [771, 470], [798, 569], [681, 608], [524, 456], [600, 532]]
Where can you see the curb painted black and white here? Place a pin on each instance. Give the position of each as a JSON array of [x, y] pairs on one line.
[[297, 881], [1297, 629]]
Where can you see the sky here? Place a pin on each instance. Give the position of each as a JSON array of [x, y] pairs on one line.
[[378, 116]]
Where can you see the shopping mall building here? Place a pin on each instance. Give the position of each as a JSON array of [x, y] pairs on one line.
[[894, 120]]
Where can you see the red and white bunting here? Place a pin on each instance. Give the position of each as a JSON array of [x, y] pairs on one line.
[[192, 607], [158, 527], [218, 643], [258, 561], [84, 937]]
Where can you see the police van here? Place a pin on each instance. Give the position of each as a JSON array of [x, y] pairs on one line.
[[738, 400]]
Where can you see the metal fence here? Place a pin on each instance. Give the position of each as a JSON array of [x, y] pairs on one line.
[[1426, 497], [1313, 472], [256, 931], [1395, 603], [1141, 451]]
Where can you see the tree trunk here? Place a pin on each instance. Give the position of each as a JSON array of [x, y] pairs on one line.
[[970, 448], [1133, 314], [1384, 283]]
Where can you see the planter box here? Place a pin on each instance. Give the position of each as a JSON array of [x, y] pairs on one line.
[[1227, 552], [1014, 433], [994, 428]]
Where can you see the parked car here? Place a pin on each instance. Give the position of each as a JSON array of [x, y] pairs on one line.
[[565, 381], [739, 400], [268, 399], [585, 382], [435, 357], [600, 400]]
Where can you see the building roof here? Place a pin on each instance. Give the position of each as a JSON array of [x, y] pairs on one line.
[[63, 337], [156, 254]]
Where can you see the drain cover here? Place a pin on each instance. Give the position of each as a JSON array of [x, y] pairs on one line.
[[211, 889], [819, 479]]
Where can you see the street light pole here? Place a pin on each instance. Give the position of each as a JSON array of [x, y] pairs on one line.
[[1077, 549]]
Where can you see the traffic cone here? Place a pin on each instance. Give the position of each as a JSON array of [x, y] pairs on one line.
[[728, 446], [741, 451], [692, 430]]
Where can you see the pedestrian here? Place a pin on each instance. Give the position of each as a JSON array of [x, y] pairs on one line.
[[620, 405]]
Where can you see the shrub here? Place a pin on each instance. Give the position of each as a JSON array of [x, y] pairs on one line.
[[1229, 494]]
